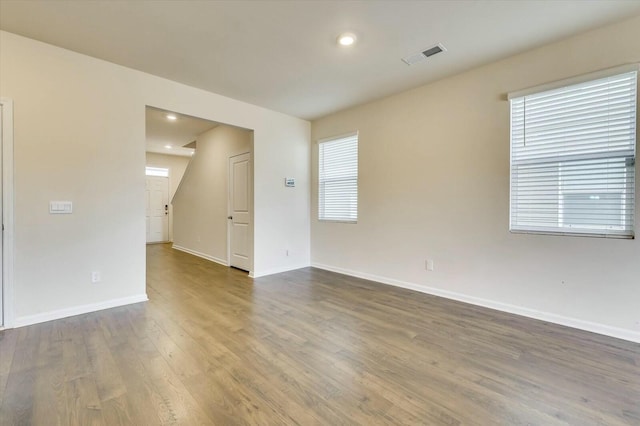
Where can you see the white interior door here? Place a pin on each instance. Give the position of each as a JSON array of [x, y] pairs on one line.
[[157, 197], [240, 211]]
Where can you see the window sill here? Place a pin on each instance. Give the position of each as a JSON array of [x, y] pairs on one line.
[[574, 234]]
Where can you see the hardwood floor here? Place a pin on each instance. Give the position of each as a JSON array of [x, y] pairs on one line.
[[308, 347]]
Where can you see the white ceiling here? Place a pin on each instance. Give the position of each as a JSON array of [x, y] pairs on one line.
[[282, 54], [162, 132]]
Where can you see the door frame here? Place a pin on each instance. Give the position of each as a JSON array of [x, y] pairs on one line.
[[6, 109], [229, 209]]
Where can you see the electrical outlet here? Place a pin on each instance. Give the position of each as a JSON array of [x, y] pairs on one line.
[[429, 264], [95, 277]]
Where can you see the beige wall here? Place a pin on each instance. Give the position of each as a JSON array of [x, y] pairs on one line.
[[80, 135], [177, 165], [434, 183], [201, 204]]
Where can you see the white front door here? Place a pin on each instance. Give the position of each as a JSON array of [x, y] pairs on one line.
[[157, 195], [240, 211]]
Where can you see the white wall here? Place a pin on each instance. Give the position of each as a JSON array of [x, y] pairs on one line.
[[176, 164], [201, 204], [434, 183], [79, 135]]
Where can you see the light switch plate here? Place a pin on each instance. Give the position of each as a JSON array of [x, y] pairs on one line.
[[60, 207], [289, 182]]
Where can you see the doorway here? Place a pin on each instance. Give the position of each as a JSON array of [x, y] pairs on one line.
[[206, 218]]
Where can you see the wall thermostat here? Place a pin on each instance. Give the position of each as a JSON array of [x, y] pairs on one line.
[[289, 182]]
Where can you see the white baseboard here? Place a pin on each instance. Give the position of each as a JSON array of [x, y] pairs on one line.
[[202, 255], [258, 274], [620, 333], [77, 310], [252, 274]]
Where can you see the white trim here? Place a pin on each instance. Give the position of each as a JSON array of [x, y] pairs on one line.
[[350, 222], [258, 274], [78, 310], [620, 333], [574, 80], [8, 243], [202, 255], [574, 234]]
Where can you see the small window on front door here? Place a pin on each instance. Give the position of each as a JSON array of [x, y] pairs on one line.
[[157, 171]]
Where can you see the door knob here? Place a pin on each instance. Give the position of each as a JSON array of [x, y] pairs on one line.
[[229, 217]]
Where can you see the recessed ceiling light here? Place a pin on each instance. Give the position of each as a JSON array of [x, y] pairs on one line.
[[346, 39], [168, 146], [171, 117]]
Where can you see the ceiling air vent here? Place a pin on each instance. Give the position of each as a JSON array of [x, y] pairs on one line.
[[422, 56]]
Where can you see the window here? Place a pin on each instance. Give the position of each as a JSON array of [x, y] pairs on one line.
[[156, 171], [338, 179], [573, 153]]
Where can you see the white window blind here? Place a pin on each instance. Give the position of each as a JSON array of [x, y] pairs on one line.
[[338, 179], [573, 158]]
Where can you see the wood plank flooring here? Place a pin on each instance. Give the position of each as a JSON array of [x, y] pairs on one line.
[[308, 347]]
